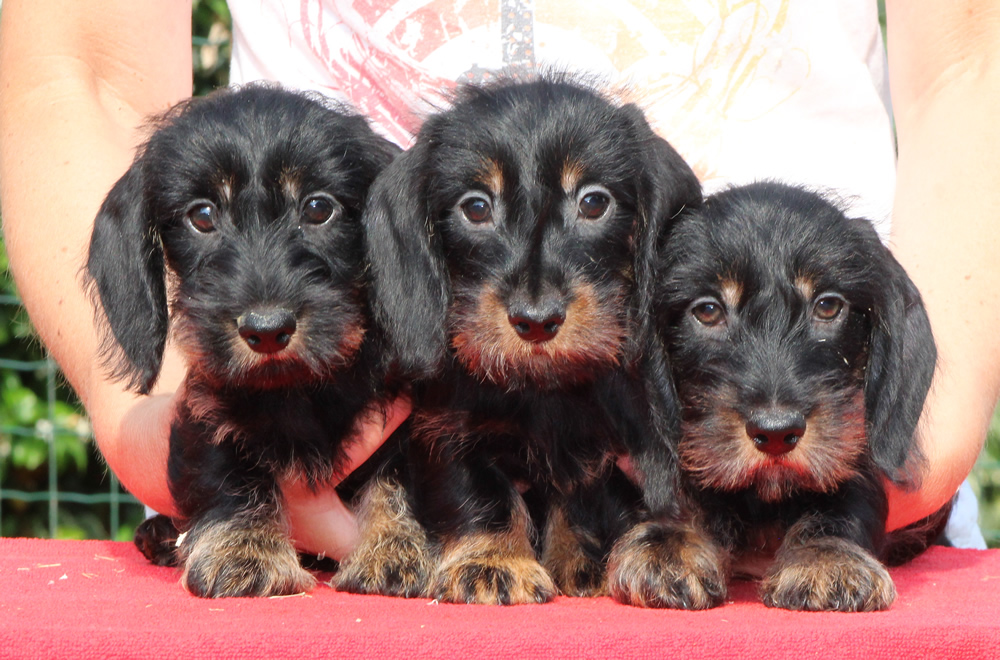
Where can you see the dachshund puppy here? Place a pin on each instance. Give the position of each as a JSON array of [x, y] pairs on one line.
[[243, 208], [802, 356], [512, 249]]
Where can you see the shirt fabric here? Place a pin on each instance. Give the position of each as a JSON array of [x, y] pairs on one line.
[[783, 89]]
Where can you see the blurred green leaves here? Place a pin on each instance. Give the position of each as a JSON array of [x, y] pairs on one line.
[[212, 44]]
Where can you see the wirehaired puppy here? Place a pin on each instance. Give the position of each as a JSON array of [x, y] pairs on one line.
[[243, 209], [512, 249], [802, 356]]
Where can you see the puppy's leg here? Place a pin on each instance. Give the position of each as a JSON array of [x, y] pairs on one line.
[[485, 533], [814, 570], [242, 557], [572, 555], [668, 564], [493, 567], [581, 529], [237, 543], [668, 560], [394, 556]]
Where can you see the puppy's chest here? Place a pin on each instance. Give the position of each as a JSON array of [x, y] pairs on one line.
[[753, 529], [551, 437], [285, 428]]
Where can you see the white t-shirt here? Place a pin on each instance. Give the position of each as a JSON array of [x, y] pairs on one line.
[[793, 90]]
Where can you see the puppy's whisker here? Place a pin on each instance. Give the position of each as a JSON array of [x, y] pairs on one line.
[[590, 338]]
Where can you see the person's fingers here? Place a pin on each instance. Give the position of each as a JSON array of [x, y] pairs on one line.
[[376, 429], [319, 522]]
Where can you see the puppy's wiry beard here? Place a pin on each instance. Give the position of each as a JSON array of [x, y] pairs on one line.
[[230, 362], [589, 342], [717, 452]]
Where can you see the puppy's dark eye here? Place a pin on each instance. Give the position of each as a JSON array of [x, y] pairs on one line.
[[202, 217], [828, 307], [320, 209], [709, 312], [477, 210], [594, 204]]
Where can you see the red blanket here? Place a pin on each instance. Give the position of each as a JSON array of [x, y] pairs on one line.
[[77, 599]]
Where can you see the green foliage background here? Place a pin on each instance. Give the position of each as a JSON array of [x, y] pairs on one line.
[[32, 401]]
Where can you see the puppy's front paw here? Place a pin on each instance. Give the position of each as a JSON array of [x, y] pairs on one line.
[[394, 557], [577, 574], [485, 574], [227, 560], [659, 565], [156, 539], [827, 574], [570, 557], [391, 567]]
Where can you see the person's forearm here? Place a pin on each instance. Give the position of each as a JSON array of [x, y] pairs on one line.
[[77, 81], [946, 96]]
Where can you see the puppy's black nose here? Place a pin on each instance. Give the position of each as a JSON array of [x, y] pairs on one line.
[[775, 431], [537, 322], [267, 331]]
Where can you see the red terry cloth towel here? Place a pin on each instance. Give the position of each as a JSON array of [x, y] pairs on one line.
[[101, 599]]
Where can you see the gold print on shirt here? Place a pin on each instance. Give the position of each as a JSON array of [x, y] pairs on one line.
[[741, 68], [697, 63]]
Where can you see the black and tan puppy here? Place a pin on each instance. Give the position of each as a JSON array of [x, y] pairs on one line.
[[243, 209], [802, 356], [511, 251]]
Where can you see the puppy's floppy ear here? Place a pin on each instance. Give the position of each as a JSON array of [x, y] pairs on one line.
[[901, 362], [410, 290], [668, 187], [126, 274]]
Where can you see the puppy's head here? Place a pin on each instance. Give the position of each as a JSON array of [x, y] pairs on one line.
[[251, 201], [800, 348], [519, 233]]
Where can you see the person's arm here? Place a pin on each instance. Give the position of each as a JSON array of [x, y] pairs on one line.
[[944, 66], [77, 82]]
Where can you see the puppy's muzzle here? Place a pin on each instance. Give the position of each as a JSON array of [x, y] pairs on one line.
[[775, 431], [267, 331], [537, 323]]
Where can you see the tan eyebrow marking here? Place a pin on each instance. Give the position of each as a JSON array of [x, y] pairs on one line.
[[491, 176], [806, 286], [572, 174], [224, 184], [289, 182], [732, 293]]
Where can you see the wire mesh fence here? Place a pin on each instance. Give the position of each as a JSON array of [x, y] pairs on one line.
[[53, 480]]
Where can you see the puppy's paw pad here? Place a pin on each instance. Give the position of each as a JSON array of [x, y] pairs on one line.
[[493, 580], [828, 574], [243, 562], [657, 565]]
